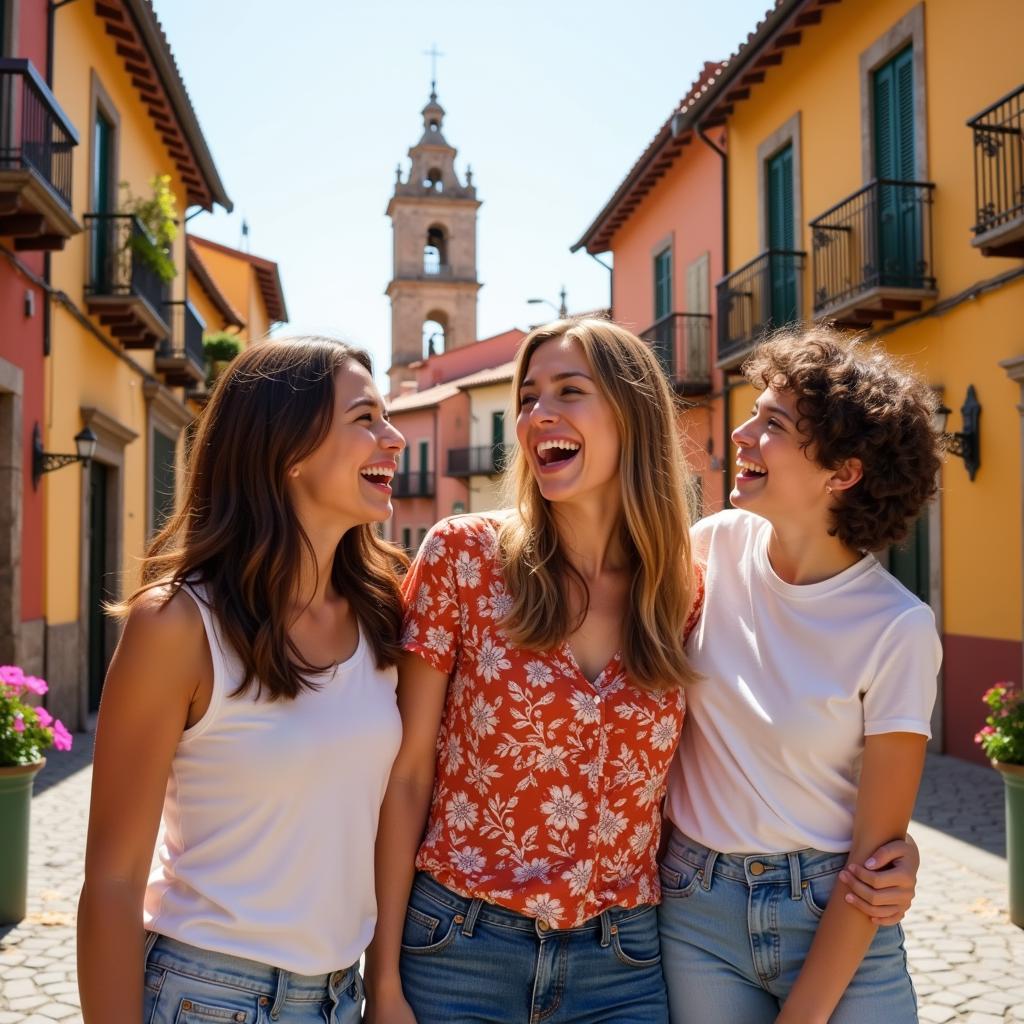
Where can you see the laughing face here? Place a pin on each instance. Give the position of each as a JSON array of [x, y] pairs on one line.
[[349, 475], [566, 427], [778, 477]]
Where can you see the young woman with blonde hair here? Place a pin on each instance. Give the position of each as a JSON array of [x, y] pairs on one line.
[[542, 698], [250, 710]]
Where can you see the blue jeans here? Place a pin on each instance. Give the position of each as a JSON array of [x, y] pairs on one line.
[[735, 930], [469, 962], [187, 985]]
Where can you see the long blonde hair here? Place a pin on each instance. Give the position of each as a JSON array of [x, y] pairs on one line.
[[655, 534]]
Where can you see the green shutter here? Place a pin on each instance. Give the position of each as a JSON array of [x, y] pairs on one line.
[[424, 456], [894, 118], [780, 200], [781, 237], [163, 486], [663, 284], [899, 219], [908, 562]]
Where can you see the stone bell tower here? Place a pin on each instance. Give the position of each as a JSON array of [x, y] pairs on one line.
[[433, 284]]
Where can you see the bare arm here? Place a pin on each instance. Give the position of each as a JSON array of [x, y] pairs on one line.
[[159, 676], [403, 817], [890, 775]]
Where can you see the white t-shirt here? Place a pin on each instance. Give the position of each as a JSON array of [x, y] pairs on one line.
[[270, 815], [794, 678]]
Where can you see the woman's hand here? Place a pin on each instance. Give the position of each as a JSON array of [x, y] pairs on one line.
[[883, 887], [387, 1005]]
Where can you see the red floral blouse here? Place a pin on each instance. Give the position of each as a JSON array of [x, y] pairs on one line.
[[547, 797]]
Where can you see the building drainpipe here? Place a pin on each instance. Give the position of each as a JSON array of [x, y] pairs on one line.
[[727, 385], [611, 282]]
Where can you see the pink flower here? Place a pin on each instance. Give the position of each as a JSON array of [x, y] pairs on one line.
[[61, 737], [44, 716], [19, 723], [12, 676], [34, 685]]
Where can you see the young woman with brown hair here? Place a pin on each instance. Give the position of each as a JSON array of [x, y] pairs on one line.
[[250, 711]]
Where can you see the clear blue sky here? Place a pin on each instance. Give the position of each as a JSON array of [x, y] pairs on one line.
[[308, 106]]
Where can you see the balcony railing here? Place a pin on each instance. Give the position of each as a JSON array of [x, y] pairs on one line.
[[878, 238], [999, 176], [115, 266], [482, 460], [122, 288], [682, 343], [413, 485], [36, 143], [760, 296], [180, 358]]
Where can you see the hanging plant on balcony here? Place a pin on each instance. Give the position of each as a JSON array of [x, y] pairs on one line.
[[158, 214]]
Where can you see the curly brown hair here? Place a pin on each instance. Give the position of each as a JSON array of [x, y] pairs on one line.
[[856, 401]]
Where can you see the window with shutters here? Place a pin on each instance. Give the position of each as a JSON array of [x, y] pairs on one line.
[[781, 237], [663, 284], [898, 213], [162, 484]]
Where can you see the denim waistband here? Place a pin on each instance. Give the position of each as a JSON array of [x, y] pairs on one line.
[[473, 910], [239, 972], [790, 869]]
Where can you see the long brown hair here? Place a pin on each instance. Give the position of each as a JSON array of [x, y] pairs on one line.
[[237, 531], [654, 480]]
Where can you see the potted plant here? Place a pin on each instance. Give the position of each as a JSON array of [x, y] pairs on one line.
[[1002, 739], [26, 732], [158, 214], [219, 348]]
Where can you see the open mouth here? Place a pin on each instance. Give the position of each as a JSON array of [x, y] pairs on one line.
[[557, 453], [750, 470], [379, 476]]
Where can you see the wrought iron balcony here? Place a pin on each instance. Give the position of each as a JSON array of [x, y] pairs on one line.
[[682, 343], [180, 358], [999, 176], [36, 140], [872, 253], [413, 485], [759, 297], [482, 460], [122, 289]]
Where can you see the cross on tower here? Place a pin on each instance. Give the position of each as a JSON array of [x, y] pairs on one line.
[[433, 53]]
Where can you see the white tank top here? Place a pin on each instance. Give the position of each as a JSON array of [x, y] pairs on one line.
[[270, 814]]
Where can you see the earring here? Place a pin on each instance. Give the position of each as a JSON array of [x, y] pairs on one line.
[[828, 490]]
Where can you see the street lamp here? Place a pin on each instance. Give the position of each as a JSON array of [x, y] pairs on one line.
[[967, 443], [46, 462], [560, 309]]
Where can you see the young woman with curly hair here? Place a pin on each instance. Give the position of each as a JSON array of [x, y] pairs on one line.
[[250, 711], [805, 738]]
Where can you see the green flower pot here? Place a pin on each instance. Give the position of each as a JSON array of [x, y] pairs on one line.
[[15, 808], [1013, 785]]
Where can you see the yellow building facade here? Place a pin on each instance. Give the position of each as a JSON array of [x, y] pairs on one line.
[[250, 285], [854, 183], [125, 346]]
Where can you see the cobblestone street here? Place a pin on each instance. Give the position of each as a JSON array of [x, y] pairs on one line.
[[966, 959]]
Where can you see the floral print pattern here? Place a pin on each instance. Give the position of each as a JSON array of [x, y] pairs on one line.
[[547, 797]]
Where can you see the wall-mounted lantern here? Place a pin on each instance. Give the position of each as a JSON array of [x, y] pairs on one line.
[[967, 443], [46, 462]]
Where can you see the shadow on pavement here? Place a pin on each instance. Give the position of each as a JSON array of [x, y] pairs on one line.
[[61, 765], [963, 800]]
